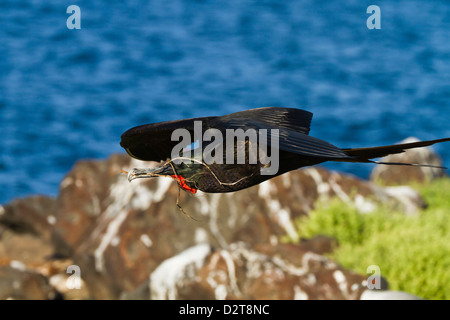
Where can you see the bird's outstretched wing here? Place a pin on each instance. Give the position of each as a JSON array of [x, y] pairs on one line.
[[292, 128], [152, 142], [292, 119]]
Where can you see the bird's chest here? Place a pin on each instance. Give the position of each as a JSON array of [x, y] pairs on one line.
[[228, 178]]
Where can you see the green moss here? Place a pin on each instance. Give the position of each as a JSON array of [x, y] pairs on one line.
[[413, 252]]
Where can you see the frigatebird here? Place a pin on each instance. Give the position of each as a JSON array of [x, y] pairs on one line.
[[286, 133]]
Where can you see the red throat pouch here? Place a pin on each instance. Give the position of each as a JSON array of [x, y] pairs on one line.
[[183, 185]]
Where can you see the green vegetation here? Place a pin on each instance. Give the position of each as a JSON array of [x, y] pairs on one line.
[[413, 252]]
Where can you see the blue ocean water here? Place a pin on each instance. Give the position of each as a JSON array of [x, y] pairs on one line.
[[67, 95]]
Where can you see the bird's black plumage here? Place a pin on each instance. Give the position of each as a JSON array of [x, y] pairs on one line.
[[289, 126]]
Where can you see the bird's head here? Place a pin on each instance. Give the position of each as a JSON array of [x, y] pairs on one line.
[[164, 170], [181, 173]]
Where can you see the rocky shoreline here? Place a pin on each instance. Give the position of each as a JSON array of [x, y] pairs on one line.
[[130, 241]]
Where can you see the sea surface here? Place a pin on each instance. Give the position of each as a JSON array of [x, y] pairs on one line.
[[68, 94]]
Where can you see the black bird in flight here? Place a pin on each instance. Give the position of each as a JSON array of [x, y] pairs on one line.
[[286, 135]]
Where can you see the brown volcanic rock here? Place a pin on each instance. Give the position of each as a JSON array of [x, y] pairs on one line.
[[80, 200], [29, 269], [122, 235], [120, 232], [239, 272], [30, 215], [299, 190], [397, 175], [20, 284], [24, 247]]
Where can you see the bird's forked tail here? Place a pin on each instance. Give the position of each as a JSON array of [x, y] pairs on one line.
[[366, 154]]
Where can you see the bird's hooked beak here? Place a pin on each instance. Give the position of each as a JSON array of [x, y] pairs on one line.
[[149, 172]]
